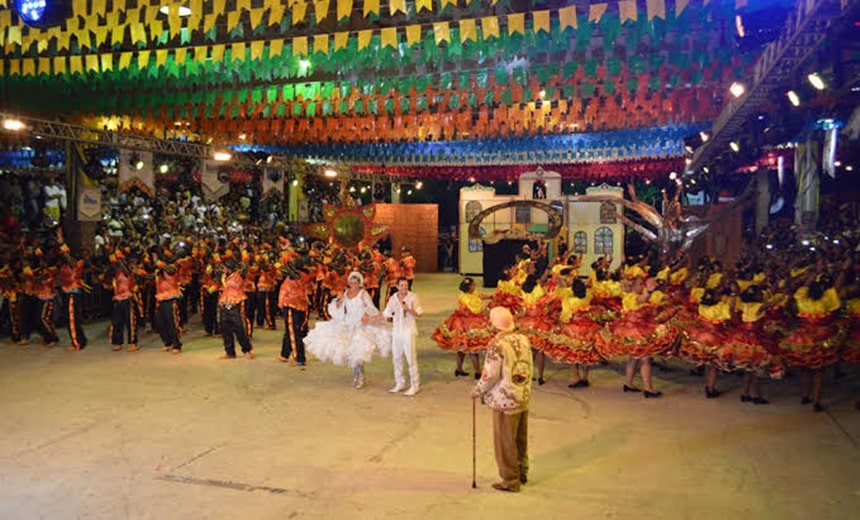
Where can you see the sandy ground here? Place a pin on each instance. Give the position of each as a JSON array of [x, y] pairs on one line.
[[99, 434]]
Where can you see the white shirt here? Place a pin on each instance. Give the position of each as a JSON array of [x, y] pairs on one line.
[[403, 322]]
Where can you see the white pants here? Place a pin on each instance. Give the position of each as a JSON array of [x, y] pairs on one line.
[[403, 346]]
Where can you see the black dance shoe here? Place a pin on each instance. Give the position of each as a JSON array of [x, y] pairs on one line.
[[460, 373], [649, 395], [760, 400], [582, 383], [477, 375], [631, 389], [745, 398], [818, 407], [711, 394], [541, 381], [805, 400]]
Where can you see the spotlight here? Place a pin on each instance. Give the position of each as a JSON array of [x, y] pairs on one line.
[[222, 156], [13, 125], [816, 81], [737, 89], [163, 168], [735, 146], [183, 10], [331, 174], [419, 185], [705, 136], [135, 161], [793, 98], [673, 176], [295, 182]]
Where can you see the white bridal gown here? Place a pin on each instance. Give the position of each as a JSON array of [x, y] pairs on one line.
[[343, 340]]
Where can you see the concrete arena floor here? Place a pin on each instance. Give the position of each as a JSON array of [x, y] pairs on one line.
[[99, 434]]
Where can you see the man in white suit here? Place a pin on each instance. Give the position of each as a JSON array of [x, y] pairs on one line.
[[402, 309]]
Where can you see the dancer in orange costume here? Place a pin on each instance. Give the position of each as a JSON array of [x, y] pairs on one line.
[[467, 330]]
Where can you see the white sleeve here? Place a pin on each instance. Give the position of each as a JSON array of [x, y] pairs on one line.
[[369, 308]]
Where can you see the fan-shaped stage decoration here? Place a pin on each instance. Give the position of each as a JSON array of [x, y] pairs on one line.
[[554, 223], [350, 227]]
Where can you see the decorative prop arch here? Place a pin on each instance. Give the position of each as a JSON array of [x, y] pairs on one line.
[[350, 227], [555, 220]]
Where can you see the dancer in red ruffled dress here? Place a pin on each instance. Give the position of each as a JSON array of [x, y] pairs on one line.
[[702, 339], [573, 342], [508, 293], [638, 334], [751, 349], [814, 342], [538, 319], [467, 330]]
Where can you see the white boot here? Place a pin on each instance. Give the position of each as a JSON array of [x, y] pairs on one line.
[[412, 391]]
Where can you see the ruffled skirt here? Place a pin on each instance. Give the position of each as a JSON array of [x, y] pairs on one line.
[[338, 343], [574, 343], [636, 334], [463, 332], [812, 344]]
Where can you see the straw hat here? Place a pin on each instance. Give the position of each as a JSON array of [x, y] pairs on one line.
[[502, 319]]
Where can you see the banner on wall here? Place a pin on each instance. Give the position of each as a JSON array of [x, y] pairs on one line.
[[90, 204], [135, 170], [214, 185]]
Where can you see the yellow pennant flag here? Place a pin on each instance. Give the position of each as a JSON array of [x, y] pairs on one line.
[[299, 10], [107, 62], [14, 67], [371, 7], [441, 32], [300, 46], [219, 6], [627, 10], [276, 48], [174, 22], [233, 20], [243, 5], [99, 7], [117, 34], [321, 9], [13, 35], [517, 23], [257, 48], [28, 67], [468, 30], [656, 9], [256, 16], [180, 55], [143, 59], [42, 44], [423, 5], [79, 8], [595, 12], [443, 3], [490, 27], [138, 33], [388, 37], [160, 58], [101, 34], [237, 52], [413, 34], [45, 66], [321, 43], [218, 53], [395, 6], [276, 13], [680, 5], [341, 40], [76, 64], [124, 60], [59, 65], [209, 22], [200, 53], [364, 38], [541, 21], [156, 29], [344, 9], [92, 62]]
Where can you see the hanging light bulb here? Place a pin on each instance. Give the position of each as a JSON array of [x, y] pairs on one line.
[[816, 81], [793, 98]]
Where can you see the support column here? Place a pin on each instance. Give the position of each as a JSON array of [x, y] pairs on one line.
[[395, 193], [294, 190], [806, 165], [762, 204]]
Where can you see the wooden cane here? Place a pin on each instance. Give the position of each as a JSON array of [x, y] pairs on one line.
[[474, 482]]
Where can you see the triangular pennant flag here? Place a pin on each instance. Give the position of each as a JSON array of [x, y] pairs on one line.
[[541, 21], [344, 9], [468, 30], [489, 27], [595, 12], [276, 48], [341, 40], [517, 23], [396, 6], [364, 38], [413, 34], [371, 7], [656, 9], [421, 5], [321, 9], [567, 17], [299, 12], [321, 43], [627, 10], [300, 46], [441, 32], [389, 37]]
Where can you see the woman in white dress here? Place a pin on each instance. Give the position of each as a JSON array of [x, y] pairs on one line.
[[350, 338]]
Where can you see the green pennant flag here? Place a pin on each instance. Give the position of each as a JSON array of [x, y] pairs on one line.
[[569, 70], [696, 77], [632, 85], [289, 92], [358, 106], [613, 66], [281, 110], [242, 96], [454, 102], [464, 81], [267, 110], [445, 81], [404, 104], [635, 64], [388, 105], [421, 103], [519, 74], [472, 99], [373, 106], [654, 83], [609, 86], [257, 95], [296, 109], [590, 68], [234, 112], [489, 97], [507, 99], [587, 89], [311, 109], [655, 61], [406, 83], [327, 90], [568, 91], [327, 108], [422, 83], [482, 78], [583, 33], [343, 107], [528, 94]]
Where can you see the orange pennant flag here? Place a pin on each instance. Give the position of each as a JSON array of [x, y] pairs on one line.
[[627, 10], [596, 11], [656, 9]]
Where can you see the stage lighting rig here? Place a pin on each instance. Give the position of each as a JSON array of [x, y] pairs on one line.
[[43, 13]]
